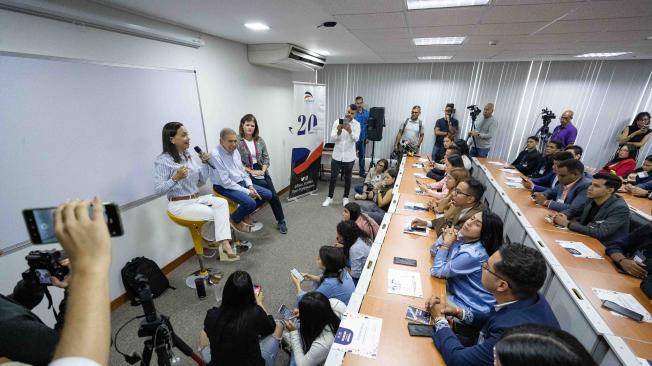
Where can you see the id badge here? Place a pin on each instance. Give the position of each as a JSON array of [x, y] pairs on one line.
[[560, 200], [638, 257], [542, 170], [642, 175]]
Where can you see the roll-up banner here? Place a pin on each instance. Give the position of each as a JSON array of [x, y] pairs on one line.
[[307, 138]]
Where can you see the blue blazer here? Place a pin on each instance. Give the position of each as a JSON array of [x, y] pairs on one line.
[[543, 183], [534, 310], [576, 197]]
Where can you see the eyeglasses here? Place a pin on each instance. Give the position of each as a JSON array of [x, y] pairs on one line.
[[457, 191], [485, 266]]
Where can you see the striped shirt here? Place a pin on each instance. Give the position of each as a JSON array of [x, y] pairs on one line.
[[229, 171], [164, 169]]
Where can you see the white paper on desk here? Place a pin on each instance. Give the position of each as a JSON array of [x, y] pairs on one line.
[[578, 249], [509, 171], [625, 300], [515, 185], [358, 334], [495, 163], [423, 160], [515, 179], [415, 206], [408, 229], [417, 165], [420, 175], [407, 283]]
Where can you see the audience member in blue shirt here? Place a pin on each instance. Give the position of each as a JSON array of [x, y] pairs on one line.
[[356, 245], [548, 181], [570, 193], [361, 116], [514, 274], [335, 282], [459, 256]]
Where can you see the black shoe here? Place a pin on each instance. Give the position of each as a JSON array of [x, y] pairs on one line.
[[283, 227]]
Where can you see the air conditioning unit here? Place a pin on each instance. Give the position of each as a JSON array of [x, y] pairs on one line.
[[285, 56]]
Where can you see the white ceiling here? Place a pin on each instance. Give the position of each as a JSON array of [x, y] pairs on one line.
[[377, 31]]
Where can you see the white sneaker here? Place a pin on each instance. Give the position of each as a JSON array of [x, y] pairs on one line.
[[327, 202], [345, 201]]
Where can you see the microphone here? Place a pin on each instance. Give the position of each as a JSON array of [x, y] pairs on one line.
[[198, 151]]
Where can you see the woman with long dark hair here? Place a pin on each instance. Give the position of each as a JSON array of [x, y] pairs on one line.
[[356, 245], [542, 346], [335, 281], [624, 162], [352, 211], [319, 319], [458, 257], [239, 330], [382, 197], [638, 133], [179, 174], [372, 181], [255, 158]]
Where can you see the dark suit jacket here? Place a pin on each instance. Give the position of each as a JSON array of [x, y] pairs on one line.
[[527, 161], [638, 240], [534, 310], [576, 197], [458, 220], [610, 222]]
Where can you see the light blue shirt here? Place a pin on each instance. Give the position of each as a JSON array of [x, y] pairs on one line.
[[358, 254], [333, 289], [164, 169], [229, 170], [362, 118], [461, 265]]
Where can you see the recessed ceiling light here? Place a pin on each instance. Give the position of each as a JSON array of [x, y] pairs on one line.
[[438, 40], [322, 52], [430, 4], [604, 54], [649, 38], [257, 26], [423, 58]]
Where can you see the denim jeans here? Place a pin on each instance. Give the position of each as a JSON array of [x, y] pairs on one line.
[[274, 202], [360, 146], [247, 205], [268, 349], [478, 152]]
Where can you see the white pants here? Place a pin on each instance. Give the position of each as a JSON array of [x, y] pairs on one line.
[[213, 209]]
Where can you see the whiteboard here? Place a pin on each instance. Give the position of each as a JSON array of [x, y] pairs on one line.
[[74, 129]]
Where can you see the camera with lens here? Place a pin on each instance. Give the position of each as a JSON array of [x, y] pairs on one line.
[[45, 264], [547, 115], [475, 111]]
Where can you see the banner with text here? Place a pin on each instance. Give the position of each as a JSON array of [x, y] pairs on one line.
[[307, 138]]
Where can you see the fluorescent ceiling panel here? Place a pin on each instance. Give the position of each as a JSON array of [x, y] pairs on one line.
[[425, 58], [604, 54], [432, 4], [438, 40]]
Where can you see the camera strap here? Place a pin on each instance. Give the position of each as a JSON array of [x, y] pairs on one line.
[[50, 302]]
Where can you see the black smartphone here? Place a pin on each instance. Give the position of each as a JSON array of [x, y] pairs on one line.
[[419, 330], [405, 261], [622, 311], [285, 312], [40, 223], [200, 286], [341, 121], [421, 229]]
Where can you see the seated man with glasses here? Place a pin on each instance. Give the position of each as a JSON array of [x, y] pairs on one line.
[[467, 201], [514, 274], [410, 135]]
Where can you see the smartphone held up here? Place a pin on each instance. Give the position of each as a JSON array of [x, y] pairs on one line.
[[40, 222]]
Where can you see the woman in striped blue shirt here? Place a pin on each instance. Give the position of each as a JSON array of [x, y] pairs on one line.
[[179, 175]]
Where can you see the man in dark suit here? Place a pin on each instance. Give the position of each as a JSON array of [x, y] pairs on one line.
[[545, 167], [604, 216], [570, 193], [541, 184], [513, 274], [529, 159], [633, 254], [467, 201]]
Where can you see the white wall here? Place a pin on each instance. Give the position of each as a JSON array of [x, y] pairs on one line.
[[229, 87], [605, 95]]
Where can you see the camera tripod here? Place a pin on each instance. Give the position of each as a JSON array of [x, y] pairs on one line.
[[162, 338], [544, 135]]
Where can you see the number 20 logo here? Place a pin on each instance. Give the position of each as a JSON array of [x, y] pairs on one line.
[[306, 124]]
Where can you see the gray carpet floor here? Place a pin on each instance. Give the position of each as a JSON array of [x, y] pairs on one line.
[[269, 262]]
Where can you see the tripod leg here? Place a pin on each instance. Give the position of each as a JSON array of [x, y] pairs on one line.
[[162, 355], [147, 353]]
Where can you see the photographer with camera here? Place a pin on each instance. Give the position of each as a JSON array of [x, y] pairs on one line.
[[19, 327], [483, 131], [565, 133]]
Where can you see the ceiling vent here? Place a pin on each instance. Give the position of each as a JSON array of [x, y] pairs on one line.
[[285, 56]]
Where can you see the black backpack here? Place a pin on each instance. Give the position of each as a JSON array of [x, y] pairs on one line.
[[158, 283]]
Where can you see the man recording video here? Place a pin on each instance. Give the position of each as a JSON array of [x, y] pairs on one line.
[[23, 336]]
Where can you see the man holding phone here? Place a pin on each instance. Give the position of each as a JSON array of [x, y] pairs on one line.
[[345, 133], [633, 254]]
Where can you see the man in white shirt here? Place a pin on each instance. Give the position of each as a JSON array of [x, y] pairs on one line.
[[410, 135], [345, 133]]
